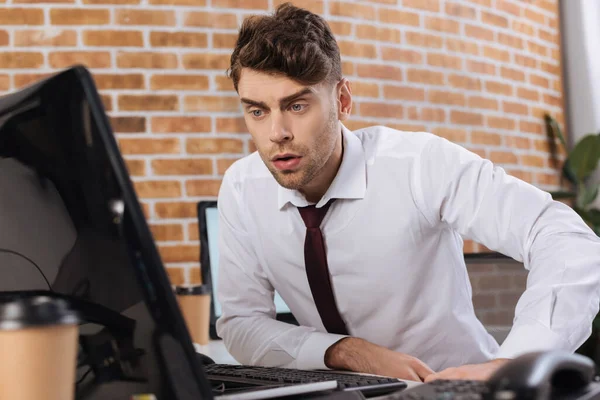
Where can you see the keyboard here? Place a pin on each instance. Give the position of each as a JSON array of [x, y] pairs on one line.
[[263, 376], [443, 389]]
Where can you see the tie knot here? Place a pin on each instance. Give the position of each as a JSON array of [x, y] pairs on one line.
[[313, 216]]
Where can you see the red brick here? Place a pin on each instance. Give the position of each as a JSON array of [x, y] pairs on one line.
[[315, 6], [224, 83], [347, 68], [43, 38], [113, 38], [426, 114], [4, 82], [149, 146], [427, 5], [460, 10], [486, 138], [404, 127], [423, 40], [179, 82], [247, 4], [116, 2], [189, 166], [514, 108], [167, 232], [179, 253], [404, 93], [503, 157], [481, 67], [231, 125], [548, 36], [354, 49], [359, 11], [444, 61], [128, 124], [212, 103], [517, 142], [483, 102], [452, 134], [528, 94], [145, 17], [180, 124], [204, 187], [193, 232], [210, 20], [552, 100], [462, 46], [496, 54], [550, 68], [379, 71], [534, 16], [119, 81], [547, 179], [381, 110], [21, 16], [176, 275], [176, 209], [465, 118], [464, 82], [537, 48], [206, 61], [371, 32], [539, 81], [396, 17], [442, 25], [91, 59], [523, 27], [479, 33], [491, 18], [509, 7], [146, 60], [79, 16], [425, 76], [157, 189], [224, 163], [526, 61], [342, 28], [147, 103], [107, 101], [136, 167], [445, 97], [522, 175], [178, 39], [510, 40], [511, 73], [21, 59], [214, 146], [193, 3], [501, 123], [400, 55], [533, 161], [365, 89], [487, 3], [21, 80], [531, 127], [4, 39], [224, 40]]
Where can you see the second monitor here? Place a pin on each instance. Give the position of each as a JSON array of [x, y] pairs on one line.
[[208, 226]]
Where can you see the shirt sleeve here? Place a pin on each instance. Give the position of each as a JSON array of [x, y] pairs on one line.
[[248, 326], [562, 254]]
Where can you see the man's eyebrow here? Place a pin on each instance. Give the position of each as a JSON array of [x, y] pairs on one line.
[[282, 102]]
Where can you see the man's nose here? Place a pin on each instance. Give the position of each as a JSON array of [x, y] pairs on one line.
[[279, 131]]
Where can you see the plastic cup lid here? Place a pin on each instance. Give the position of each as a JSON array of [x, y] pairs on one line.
[[36, 311]]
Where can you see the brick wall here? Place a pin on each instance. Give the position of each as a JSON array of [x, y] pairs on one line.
[[479, 72]]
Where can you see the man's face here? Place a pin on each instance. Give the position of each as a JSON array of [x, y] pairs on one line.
[[294, 127]]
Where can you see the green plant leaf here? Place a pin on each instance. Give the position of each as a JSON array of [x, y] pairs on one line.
[[593, 216], [583, 159], [562, 195], [569, 173], [587, 195], [554, 130]]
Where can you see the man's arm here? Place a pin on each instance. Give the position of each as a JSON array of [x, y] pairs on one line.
[[248, 326], [505, 214]]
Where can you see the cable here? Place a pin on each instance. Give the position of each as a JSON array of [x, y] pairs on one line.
[[31, 261]]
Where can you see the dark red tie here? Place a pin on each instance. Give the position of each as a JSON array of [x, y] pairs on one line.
[[317, 271]]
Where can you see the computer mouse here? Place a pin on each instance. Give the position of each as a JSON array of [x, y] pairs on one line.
[[204, 359]]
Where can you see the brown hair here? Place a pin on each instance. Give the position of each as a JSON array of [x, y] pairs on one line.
[[293, 42]]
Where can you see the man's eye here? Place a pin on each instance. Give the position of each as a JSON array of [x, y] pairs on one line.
[[297, 107], [256, 113]]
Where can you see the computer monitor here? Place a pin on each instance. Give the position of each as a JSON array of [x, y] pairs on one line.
[[62, 177], [208, 226]]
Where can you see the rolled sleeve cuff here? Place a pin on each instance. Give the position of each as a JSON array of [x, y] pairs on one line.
[[531, 337], [312, 352]]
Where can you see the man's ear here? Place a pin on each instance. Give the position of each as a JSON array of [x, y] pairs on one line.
[[344, 99]]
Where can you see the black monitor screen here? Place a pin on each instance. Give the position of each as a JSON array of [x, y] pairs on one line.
[[70, 224]]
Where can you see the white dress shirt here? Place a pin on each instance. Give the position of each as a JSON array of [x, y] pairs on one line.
[[394, 249]]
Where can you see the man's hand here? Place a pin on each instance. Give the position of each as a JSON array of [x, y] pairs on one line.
[[470, 371], [358, 355]]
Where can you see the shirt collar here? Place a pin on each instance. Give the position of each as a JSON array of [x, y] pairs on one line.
[[350, 181]]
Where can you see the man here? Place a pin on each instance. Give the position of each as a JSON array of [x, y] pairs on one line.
[[395, 297]]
